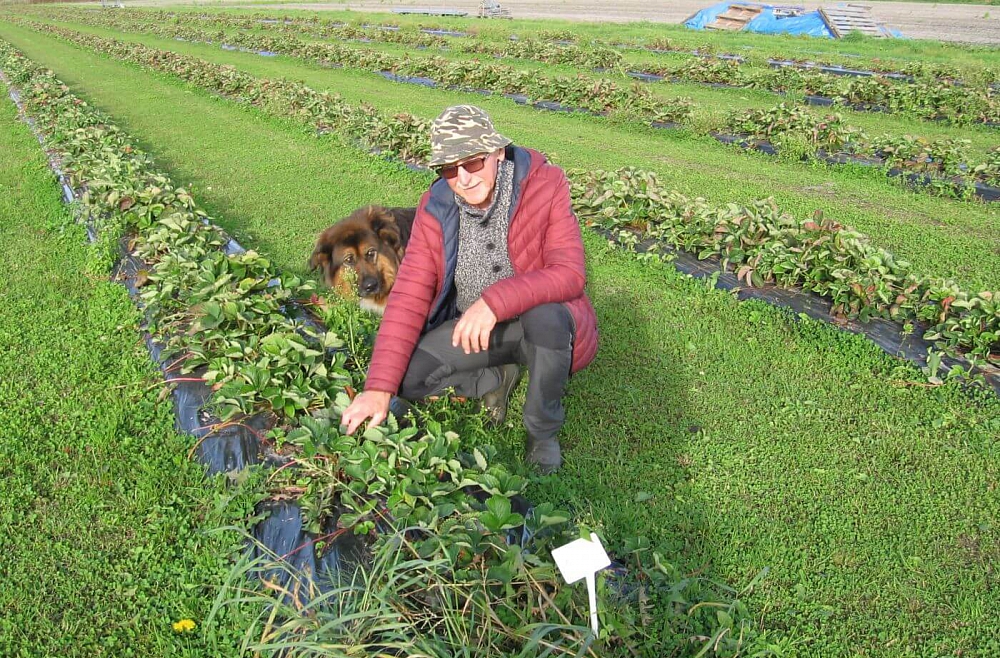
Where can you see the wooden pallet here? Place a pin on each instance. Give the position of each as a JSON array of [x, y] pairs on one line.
[[430, 12], [493, 9], [844, 19], [735, 18]]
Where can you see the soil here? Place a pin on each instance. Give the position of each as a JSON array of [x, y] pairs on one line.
[[917, 20]]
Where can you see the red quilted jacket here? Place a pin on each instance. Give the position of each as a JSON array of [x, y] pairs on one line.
[[546, 253]]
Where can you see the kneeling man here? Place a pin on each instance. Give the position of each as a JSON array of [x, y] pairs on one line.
[[493, 279]]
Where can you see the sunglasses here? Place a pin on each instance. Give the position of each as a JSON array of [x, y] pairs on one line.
[[471, 166]]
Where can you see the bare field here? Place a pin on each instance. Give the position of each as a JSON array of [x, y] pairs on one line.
[[918, 20]]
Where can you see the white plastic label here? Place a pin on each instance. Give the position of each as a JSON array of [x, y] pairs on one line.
[[582, 559]]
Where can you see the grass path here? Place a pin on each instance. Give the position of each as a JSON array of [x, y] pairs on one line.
[[102, 516], [734, 437], [940, 236]]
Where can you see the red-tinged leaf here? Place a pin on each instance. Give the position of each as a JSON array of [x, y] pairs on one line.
[[350, 392], [126, 203]]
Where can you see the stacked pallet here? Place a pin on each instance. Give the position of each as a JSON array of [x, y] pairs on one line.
[[735, 18], [844, 19]]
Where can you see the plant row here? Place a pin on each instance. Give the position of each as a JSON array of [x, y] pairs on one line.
[[862, 280], [430, 35], [938, 99], [925, 99], [945, 161], [541, 50], [762, 244]]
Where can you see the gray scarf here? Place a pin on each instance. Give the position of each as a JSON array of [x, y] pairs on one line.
[[482, 240]]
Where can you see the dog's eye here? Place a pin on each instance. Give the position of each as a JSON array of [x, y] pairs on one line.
[[371, 254], [349, 259]]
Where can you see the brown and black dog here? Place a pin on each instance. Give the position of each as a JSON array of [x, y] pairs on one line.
[[370, 241]]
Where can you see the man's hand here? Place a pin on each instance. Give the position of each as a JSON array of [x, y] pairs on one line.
[[473, 330], [369, 404]]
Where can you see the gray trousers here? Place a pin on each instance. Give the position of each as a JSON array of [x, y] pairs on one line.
[[540, 339]]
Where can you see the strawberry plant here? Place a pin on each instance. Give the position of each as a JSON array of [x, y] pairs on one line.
[[827, 132], [989, 171], [942, 156]]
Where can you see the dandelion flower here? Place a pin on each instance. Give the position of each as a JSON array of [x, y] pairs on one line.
[[184, 625]]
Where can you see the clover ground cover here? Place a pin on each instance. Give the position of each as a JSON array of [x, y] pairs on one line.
[[714, 444], [104, 524]]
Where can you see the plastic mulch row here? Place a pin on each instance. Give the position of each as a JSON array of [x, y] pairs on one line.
[[230, 447], [233, 446], [889, 335], [810, 99]]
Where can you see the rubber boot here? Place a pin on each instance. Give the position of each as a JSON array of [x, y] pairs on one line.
[[495, 402], [544, 454]]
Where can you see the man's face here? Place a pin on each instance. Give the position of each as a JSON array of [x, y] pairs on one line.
[[476, 188]]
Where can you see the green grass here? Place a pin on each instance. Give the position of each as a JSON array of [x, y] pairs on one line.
[[732, 435], [940, 236], [103, 519]]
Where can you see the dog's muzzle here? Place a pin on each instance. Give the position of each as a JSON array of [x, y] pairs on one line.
[[368, 286]]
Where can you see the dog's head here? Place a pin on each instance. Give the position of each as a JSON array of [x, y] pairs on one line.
[[367, 247]]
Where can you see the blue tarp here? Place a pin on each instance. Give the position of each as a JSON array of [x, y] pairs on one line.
[[809, 23]]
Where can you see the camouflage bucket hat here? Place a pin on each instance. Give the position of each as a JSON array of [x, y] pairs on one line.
[[462, 131]]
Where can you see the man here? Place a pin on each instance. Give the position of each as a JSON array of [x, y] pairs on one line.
[[492, 279]]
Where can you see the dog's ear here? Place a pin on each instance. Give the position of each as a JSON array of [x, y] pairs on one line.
[[404, 220], [385, 227], [320, 259]]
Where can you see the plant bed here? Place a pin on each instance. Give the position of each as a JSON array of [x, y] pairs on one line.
[[763, 245], [321, 28], [893, 337]]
